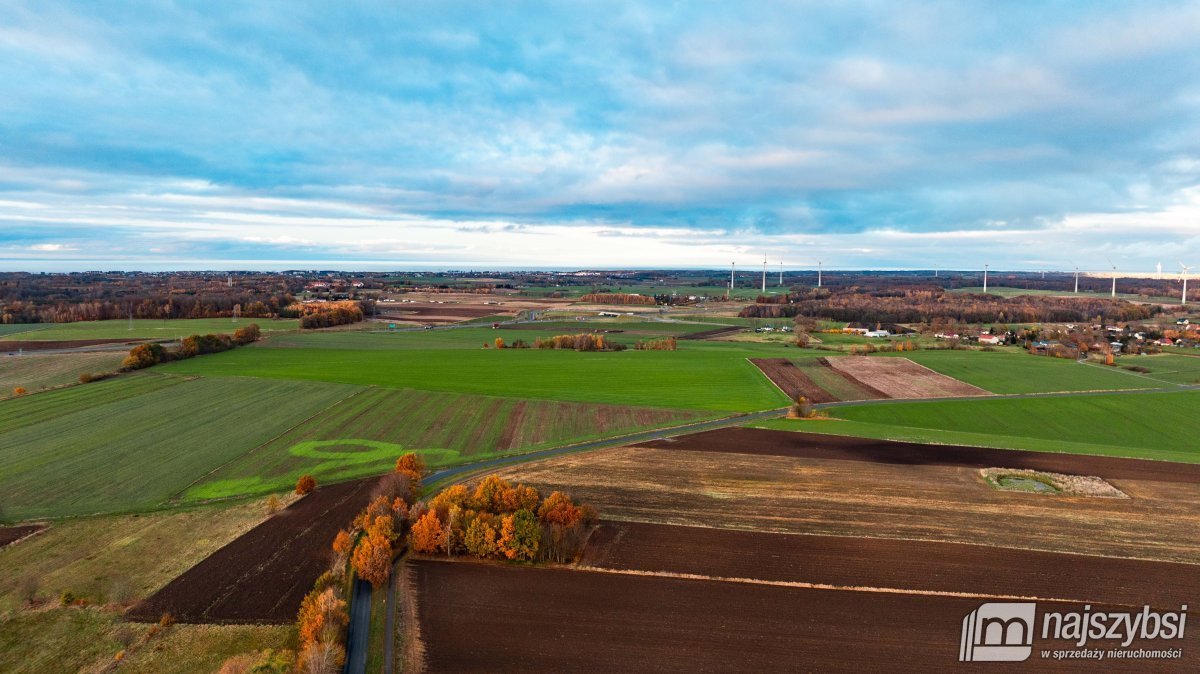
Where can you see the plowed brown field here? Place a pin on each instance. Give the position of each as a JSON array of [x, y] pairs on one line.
[[569, 620], [13, 534], [791, 380], [261, 576]]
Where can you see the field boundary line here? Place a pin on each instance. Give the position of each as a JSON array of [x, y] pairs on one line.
[[259, 446], [804, 585]]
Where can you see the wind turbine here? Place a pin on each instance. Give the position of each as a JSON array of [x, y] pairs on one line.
[[1076, 279], [818, 273], [1183, 274], [781, 273], [764, 283], [732, 267], [1114, 285], [985, 270]]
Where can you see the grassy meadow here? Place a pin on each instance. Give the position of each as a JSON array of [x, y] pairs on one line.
[[1144, 425], [34, 371]]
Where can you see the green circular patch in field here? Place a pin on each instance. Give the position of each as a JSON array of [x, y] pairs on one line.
[[347, 450]]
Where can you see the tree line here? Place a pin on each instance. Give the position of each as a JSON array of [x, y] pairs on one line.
[[926, 305], [147, 355]]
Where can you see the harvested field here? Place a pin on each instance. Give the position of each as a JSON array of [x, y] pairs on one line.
[[10, 535], [867, 492], [715, 332], [432, 312], [896, 564], [570, 620], [261, 576], [902, 378], [817, 446], [40, 371], [791, 380], [837, 384]]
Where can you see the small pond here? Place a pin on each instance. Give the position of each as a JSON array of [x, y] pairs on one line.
[[1017, 483]]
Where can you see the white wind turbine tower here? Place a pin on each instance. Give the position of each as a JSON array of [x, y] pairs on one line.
[[764, 283], [985, 270], [732, 267], [1077, 279], [818, 273], [781, 273], [1114, 278], [1183, 274]]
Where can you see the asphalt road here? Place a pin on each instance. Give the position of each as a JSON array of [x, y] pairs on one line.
[[360, 611], [359, 631]]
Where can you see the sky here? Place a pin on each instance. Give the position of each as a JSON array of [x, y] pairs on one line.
[[408, 135]]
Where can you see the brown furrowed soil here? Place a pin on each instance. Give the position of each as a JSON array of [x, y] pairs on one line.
[[558, 620], [261, 576], [709, 334], [791, 380], [32, 345], [923, 566], [902, 378], [838, 385], [817, 446], [9, 535], [866, 491]]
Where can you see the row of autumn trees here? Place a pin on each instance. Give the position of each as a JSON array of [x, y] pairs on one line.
[[314, 315], [582, 342], [146, 355], [501, 520], [368, 547], [917, 305], [618, 298]]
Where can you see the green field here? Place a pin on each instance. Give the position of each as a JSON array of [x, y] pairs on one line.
[[34, 371], [699, 375], [1166, 367], [134, 451], [1019, 372], [1004, 291], [1141, 425], [144, 328], [363, 435]]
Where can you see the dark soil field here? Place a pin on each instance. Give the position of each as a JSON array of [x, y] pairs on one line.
[[262, 576], [442, 313], [31, 345], [817, 446], [792, 380], [709, 334], [924, 566], [9, 535], [572, 620]]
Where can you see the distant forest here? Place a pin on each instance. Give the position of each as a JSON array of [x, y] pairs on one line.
[[928, 304]]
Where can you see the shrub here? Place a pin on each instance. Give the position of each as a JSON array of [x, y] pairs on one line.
[[306, 484], [166, 620], [411, 465], [250, 333], [143, 356], [19, 391]]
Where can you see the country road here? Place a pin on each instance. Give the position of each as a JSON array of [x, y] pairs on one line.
[[360, 618]]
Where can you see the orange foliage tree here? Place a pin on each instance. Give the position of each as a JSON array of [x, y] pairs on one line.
[[411, 465], [305, 484], [372, 558], [428, 535]]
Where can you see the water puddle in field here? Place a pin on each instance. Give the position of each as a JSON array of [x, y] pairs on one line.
[[1025, 484]]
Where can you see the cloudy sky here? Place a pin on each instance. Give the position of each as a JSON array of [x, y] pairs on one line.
[[149, 135]]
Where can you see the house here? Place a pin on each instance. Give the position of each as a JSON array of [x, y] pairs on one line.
[[877, 333], [947, 335], [1116, 346], [991, 340], [1183, 321]]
